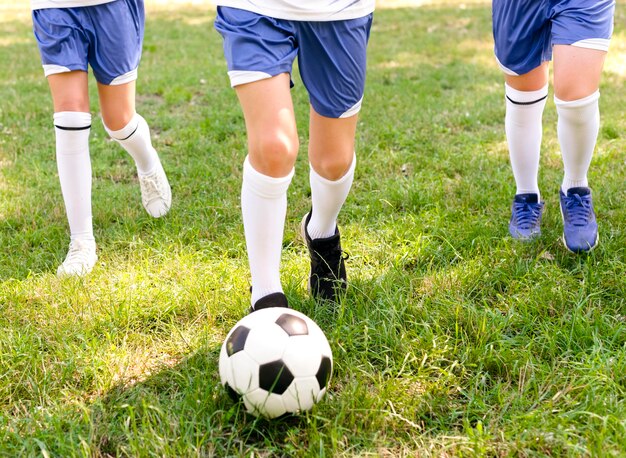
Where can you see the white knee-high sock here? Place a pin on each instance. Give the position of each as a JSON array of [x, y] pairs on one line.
[[135, 139], [577, 129], [74, 165], [264, 207], [327, 198], [523, 125]]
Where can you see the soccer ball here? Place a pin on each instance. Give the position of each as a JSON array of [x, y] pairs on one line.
[[277, 361]]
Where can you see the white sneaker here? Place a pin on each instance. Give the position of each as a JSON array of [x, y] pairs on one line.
[[80, 259], [156, 194]]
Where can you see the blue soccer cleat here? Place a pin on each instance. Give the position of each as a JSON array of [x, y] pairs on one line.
[[580, 229], [526, 214]]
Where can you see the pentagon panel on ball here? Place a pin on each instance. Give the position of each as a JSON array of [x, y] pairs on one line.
[[276, 361]]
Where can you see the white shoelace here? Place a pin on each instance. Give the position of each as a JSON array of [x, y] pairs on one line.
[[78, 254], [80, 259], [152, 187]]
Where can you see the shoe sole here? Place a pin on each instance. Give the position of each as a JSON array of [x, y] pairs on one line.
[[523, 238], [81, 273]]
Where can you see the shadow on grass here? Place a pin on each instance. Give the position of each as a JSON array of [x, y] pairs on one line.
[[183, 410]]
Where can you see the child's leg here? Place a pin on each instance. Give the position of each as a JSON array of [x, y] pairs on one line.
[[332, 59], [268, 169], [72, 122], [577, 74], [581, 38], [332, 164], [260, 51], [523, 47], [576, 80], [333, 161], [525, 100], [130, 130]]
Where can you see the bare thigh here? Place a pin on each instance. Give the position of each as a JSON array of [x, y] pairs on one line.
[[117, 104], [270, 124], [70, 91], [331, 144], [577, 71]]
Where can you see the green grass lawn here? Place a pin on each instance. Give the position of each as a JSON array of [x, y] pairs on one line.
[[453, 340]]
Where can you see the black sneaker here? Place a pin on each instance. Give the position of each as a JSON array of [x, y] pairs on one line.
[[328, 270], [271, 300]]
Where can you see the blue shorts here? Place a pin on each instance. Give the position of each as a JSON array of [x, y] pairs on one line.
[[524, 31], [108, 37], [331, 55]]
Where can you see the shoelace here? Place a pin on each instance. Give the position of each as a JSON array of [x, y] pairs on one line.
[[578, 209], [328, 255], [150, 187], [526, 214], [76, 255]]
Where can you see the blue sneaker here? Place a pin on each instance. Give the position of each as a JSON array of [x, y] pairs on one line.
[[526, 214], [580, 229]]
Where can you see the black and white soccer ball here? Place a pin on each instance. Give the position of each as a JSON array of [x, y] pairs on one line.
[[277, 361]]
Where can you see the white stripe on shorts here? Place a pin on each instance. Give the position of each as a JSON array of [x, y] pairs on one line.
[[600, 44], [125, 78], [238, 77], [353, 110], [54, 69]]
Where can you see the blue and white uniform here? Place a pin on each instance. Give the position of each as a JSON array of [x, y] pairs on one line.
[[106, 34], [525, 30], [329, 38]]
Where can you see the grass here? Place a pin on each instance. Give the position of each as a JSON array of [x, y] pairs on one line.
[[453, 340]]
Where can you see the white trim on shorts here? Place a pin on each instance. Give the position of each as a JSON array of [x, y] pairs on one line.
[[52, 69], [238, 77], [353, 110], [506, 70], [600, 44], [125, 78]]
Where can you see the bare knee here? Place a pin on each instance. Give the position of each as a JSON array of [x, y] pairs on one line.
[[69, 91], [333, 167], [71, 102], [118, 119], [571, 92], [274, 153]]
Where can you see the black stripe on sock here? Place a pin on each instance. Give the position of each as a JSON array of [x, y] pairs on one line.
[[527, 103], [131, 134], [73, 128]]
